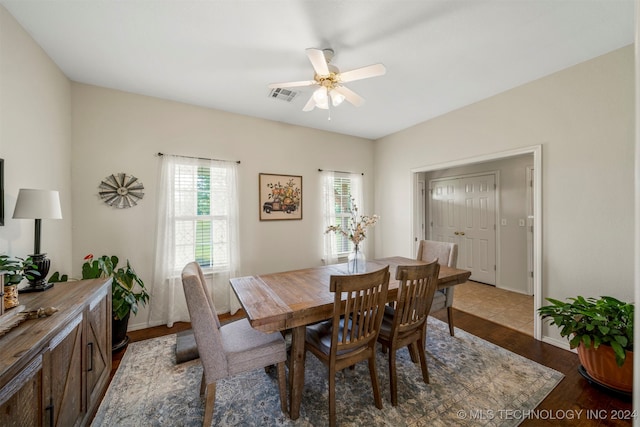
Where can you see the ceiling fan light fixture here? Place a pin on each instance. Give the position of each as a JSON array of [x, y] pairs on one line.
[[336, 98], [324, 105], [328, 81], [320, 95]]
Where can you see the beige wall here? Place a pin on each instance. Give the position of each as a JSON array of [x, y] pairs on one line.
[[121, 132], [584, 119], [35, 141]]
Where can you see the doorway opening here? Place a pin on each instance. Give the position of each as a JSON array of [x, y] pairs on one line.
[[526, 221]]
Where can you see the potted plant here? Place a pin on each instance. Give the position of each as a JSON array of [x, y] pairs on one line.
[[17, 269], [14, 271], [128, 292], [602, 331]]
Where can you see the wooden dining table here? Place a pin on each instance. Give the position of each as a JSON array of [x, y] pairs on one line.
[[294, 299]]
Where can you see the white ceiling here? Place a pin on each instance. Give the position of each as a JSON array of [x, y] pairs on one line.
[[440, 54]]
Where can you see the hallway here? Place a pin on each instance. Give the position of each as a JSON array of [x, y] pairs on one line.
[[507, 308]]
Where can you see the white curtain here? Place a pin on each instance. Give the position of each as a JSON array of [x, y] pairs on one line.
[[329, 207], [329, 215], [357, 194], [167, 302]]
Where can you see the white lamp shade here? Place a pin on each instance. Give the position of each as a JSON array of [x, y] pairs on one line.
[[38, 204]]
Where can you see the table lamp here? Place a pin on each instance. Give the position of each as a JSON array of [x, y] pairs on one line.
[[38, 205]]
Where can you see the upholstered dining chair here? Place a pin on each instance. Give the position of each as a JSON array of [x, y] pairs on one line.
[[230, 349], [350, 336], [406, 323], [447, 254]]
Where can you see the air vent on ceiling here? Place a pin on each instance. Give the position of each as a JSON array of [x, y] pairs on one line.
[[283, 94]]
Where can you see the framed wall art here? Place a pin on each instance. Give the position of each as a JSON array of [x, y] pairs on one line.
[[280, 197]]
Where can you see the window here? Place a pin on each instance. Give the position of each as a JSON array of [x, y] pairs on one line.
[[341, 190], [343, 204], [201, 216]]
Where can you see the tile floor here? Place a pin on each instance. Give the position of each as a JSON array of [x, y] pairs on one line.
[[507, 308]]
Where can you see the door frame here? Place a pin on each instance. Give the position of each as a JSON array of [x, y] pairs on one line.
[[536, 151], [496, 208], [529, 224], [420, 225]]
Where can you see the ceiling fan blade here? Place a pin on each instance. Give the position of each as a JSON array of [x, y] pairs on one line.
[[363, 73], [318, 61], [310, 105], [350, 95], [293, 84]]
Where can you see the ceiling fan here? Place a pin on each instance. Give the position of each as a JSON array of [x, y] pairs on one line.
[[330, 81]]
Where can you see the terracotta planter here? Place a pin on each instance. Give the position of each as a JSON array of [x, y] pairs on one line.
[[601, 365]]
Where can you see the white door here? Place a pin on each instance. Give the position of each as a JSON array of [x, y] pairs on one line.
[[463, 211], [444, 214], [477, 248]]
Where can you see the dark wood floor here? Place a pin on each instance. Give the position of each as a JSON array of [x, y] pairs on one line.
[[574, 402]]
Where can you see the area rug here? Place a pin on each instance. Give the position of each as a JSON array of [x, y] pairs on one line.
[[472, 383]]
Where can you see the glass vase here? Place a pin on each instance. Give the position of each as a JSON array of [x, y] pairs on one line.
[[356, 262]]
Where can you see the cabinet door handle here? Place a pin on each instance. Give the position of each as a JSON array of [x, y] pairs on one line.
[[456, 233], [90, 345], [50, 409], [462, 233]]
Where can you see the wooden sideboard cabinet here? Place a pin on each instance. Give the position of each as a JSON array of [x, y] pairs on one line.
[[55, 370]]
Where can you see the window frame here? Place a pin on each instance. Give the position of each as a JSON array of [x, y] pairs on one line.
[[344, 218], [209, 217]]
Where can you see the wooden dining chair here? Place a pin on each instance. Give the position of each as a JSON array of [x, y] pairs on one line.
[[229, 349], [350, 336], [447, 254], [406, 323]]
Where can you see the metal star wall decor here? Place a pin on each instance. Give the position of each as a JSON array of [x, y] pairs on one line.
[[121, 190]]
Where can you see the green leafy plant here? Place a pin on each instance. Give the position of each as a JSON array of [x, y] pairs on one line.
[[56, 277], [128, 291], [17, 269], [593, 322]]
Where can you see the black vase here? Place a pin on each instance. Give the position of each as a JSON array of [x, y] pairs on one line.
[[119, 338], [39, 282]]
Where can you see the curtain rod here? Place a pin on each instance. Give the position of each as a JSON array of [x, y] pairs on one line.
[[322, 170], [200, 158]]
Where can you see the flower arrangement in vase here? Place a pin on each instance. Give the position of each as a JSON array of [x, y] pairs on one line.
[[356, 231]]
